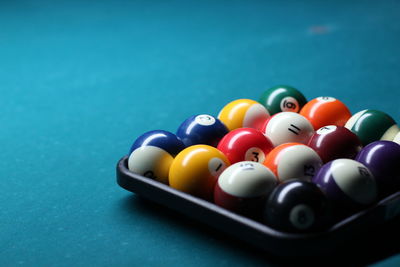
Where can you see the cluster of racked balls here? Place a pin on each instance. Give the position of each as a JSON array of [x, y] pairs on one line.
[[295, 165]]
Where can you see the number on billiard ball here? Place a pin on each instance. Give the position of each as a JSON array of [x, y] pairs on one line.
[[286, 127], [195, 170], [282, 98], [245, 144], [293, 161]]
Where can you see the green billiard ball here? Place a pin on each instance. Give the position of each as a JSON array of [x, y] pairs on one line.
[[372, 125], [282, 98]]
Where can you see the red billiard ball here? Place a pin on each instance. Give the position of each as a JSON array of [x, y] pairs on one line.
[[333, 142], [325, 110], [293, 161], [243, 187], [245, 144]]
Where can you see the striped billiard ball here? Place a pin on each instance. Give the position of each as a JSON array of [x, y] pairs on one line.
[[372, 125], [293, 161], [243, 113], [286, 127], [243, 187], [161, 139], [348, 184]]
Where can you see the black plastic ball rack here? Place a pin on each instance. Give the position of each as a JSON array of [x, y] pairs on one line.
[[278, 243]]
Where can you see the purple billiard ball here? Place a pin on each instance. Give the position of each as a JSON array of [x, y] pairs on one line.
[[383, 159], [348, 184]]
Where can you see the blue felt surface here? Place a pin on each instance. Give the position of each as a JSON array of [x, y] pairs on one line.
[[80, 80]]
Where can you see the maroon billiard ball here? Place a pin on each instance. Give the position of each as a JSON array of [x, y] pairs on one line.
[[243, 188], [245, 144], [334, 142]]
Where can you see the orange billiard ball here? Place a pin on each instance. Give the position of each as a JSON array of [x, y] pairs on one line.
[[325, 110]]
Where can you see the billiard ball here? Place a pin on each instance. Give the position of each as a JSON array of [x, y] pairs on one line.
[[243, 113], [201, 129], [382, 158], [297, 206], [293, 161], [348, 184], [324, 110], [396, 139], [334, 142], [372, 125], [286, 127], [159, 138], [243, 187], [245, 144], [150, 161], [195, 170], [282, 98]]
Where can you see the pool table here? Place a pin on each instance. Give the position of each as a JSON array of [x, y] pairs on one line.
[[80, 80]]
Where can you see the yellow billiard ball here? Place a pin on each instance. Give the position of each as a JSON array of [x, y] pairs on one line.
[[195, 170]]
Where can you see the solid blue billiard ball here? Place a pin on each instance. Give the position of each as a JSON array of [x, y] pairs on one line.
[[161, 139], [201, 129]]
